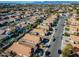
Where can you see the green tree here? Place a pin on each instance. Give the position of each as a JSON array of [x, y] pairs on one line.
[[77, 19], [67, 50], [67, 28], [66, 34]]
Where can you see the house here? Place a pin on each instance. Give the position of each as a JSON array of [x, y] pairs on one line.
[[20, 49], [40, 31], [74, 38], [74, 29], [31, 39], [73, 21], [76, 48], [43, 26], [50, 19]]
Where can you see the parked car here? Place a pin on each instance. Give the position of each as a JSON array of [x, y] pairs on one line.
[[49, 33], [55, 28], [59, 51], [54, 40]]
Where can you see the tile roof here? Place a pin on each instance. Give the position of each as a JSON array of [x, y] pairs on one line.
[[41, 31], [74, 38], [19, 49], [31, 39]]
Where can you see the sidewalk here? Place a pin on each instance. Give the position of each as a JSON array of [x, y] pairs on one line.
[[64, 41], [49, 42]]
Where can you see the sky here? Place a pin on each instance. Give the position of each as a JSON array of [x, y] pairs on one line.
[[40, 2]]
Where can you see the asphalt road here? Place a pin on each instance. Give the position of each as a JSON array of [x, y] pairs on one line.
[[58, 36]]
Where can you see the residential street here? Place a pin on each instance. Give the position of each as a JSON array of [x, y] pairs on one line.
[[58, 36]]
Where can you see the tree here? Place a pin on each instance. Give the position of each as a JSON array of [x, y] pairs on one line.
[[66, 34], [77, 34], [67, 50], [67, 28], [77, 19], [47, 53]]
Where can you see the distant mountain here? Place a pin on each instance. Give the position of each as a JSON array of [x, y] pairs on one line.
[[39, 2]]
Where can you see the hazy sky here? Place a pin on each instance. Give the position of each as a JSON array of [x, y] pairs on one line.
[[37, 2]]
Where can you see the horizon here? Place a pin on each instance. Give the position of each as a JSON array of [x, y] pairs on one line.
[[39, 2]]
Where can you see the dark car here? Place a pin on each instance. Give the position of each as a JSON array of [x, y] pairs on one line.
[[47, 46], [54, 39], [55, 28], [49, 33], [59, 51]]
